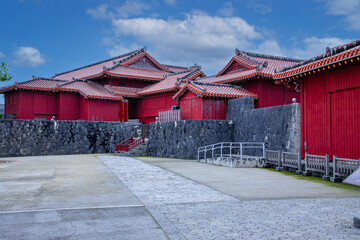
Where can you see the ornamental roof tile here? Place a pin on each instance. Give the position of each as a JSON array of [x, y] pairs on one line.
[[88, 89], [37, 83], [255, 64], [214, 90], [133, 58], [123, 91], [172, 81], [331, 56], [175, 69], [95, 68], [131, 72]]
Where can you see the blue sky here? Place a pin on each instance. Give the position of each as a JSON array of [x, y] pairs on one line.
[[44, 37]]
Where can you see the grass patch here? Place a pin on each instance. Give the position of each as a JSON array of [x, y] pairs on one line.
[[318, 180]]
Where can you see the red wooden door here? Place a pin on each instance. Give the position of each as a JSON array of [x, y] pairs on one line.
[[345, 123], [123, 111]]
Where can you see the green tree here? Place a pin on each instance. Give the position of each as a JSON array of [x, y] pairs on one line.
[[4, 75]]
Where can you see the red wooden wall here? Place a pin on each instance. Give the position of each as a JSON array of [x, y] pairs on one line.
[[270, 94], [147, 108], [195, 107], [69, 106], [64, 106], [27, 105], [190, 106], [100, 110], [12, 103], [330, 112]]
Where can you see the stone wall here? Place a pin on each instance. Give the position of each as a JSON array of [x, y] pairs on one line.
[[45, 137], [181, 139], [278, 127]]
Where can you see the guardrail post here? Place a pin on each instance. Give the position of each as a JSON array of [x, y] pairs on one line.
[[306, 173], [205, 153], [241, 151], [263, 150], [230, 149], [327, 168], [334, 165], [198, 155], [334, 178], [221, 150], [212, 152], [299, 163], [279, 159]]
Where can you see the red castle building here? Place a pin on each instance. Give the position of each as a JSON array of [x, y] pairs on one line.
[[330, 100], [136, 86]]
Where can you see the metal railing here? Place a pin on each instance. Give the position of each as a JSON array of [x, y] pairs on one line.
[[231, 150], [136, 143], [292, 160], [168, 116], [343, 167], [129, 144], [273, 158], [317, 163]]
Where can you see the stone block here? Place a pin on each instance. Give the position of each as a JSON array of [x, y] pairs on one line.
[[356, 222]]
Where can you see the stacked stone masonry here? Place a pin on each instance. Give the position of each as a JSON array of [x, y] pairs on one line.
[[278, 127], [46, 137], [181, 139]]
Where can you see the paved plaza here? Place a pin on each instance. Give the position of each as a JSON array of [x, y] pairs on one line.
[[107, 197]]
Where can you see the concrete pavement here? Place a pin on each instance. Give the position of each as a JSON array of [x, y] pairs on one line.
[[69, 197], [107, 197], [251, 183]]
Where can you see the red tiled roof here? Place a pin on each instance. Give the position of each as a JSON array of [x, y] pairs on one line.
[[214, 90], [88, 89], [123, 91], [128, 61], [171, 81], [256, 64], [175, 69], [131, 72], [334, 55], [37, 83], [95, 68]]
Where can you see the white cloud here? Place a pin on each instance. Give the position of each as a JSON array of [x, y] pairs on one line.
[[170, 2], [270, 47], [101, 12], [28, 56], [314, 46], [259, 6], [2, 55], [349, 9], [129, 8], [197, 38], [228, 10]]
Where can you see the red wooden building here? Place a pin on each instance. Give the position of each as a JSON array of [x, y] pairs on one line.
[[254, 72], [330, 97], [200, 100], [136, 86]]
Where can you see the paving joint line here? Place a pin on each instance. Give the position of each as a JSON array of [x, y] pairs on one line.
[[75, 208], [167, 226]]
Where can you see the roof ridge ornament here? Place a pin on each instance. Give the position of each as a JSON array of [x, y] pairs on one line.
[[328, 52]]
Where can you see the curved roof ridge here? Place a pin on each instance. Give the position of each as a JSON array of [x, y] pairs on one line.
[[172, 74], [261, 55], [216, 84], [133, 54], [243, 54], [328, 52], [106, 60]]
